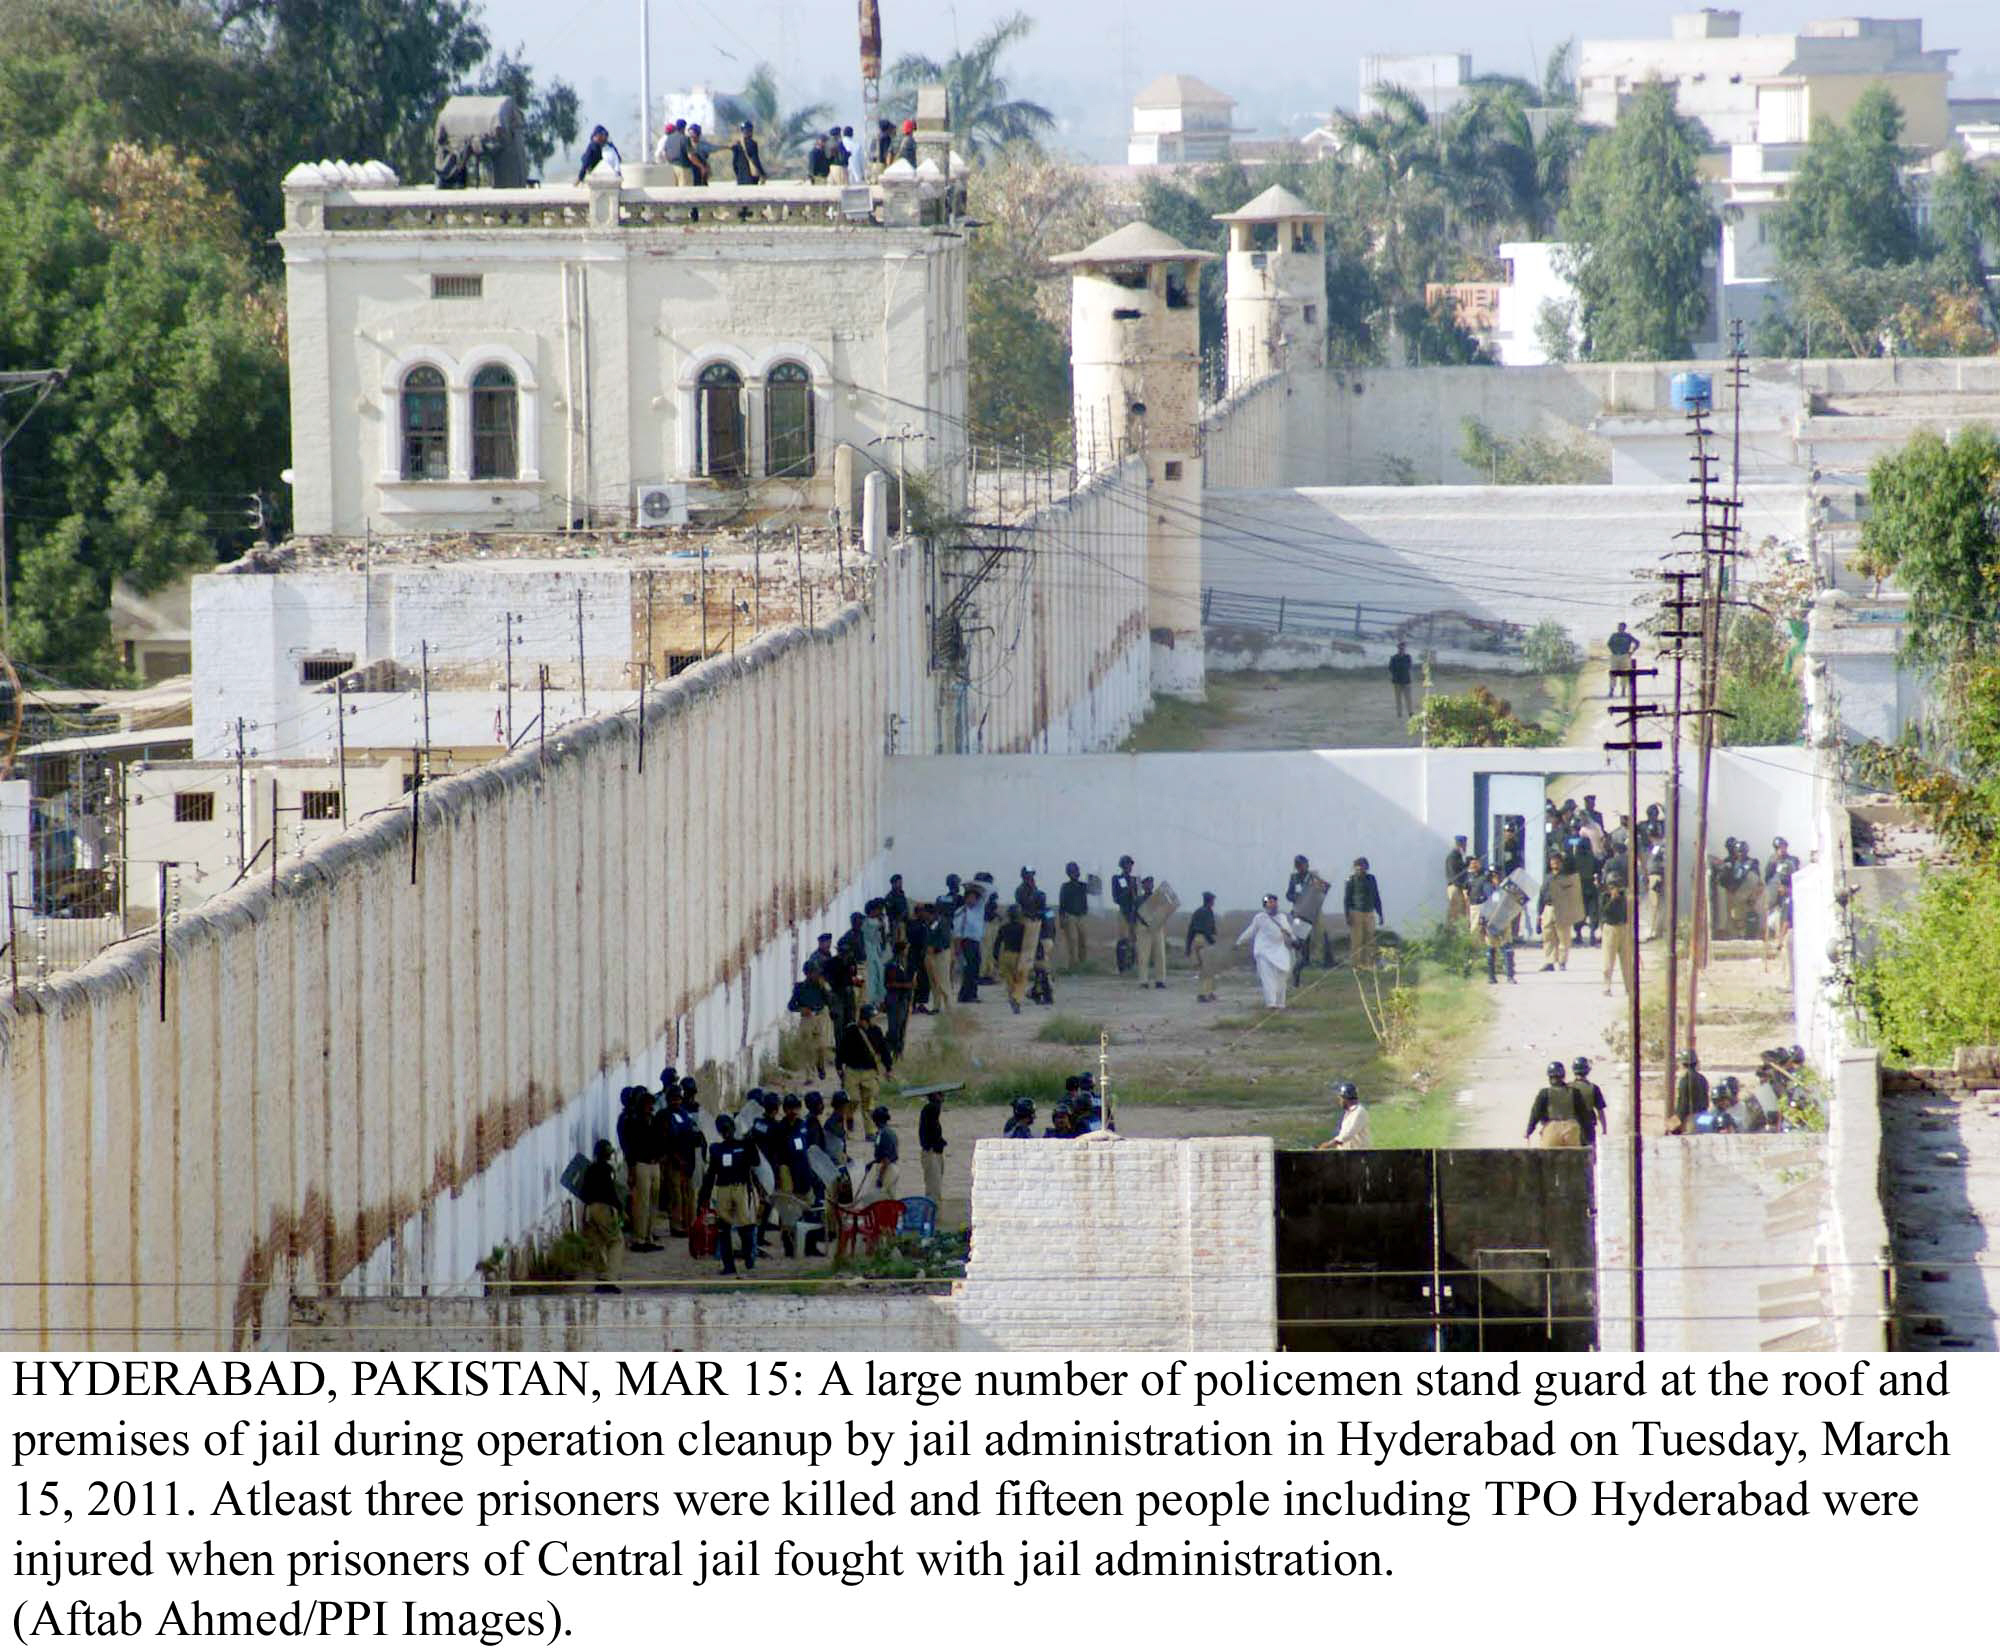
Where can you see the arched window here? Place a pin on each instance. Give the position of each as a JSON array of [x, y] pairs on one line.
[[496, 424], [426, 443], [718, 424], [788, 421]]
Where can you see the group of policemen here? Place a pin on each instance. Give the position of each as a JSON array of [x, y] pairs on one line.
[[1080, 1112], [1782, 1087], [781, 1164]]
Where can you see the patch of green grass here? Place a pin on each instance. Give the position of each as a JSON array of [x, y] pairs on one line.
[[1180, 725], [1069, 1029]]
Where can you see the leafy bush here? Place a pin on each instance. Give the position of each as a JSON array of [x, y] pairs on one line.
[[1764, 710], [1551, 650], [1527, 461], [1477, 718], [1934, 981], [1453, 948]]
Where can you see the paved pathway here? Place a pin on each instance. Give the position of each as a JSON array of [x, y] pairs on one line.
[[1542, 1018]]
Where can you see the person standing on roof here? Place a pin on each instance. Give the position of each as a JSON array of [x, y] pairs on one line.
[[600, 151]]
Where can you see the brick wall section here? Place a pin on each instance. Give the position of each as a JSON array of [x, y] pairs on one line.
[[1121, 1244]]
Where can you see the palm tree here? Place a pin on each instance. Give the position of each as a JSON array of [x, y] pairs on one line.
[[781, 133], [983, 116]]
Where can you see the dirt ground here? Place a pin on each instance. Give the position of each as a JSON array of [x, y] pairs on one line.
[[1313, 710]]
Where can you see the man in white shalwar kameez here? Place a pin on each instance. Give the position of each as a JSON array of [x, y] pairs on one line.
[[1270, 938]]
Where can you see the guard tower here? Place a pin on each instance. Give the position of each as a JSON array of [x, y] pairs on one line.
[[1135, 348], [1277, 286]]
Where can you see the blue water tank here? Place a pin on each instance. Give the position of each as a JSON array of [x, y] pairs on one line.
[[1692, 391]]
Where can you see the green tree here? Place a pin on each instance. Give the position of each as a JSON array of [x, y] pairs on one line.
[[1965, 218], [984, 114], [1019, 396], [783, 134], [1640, 231], [1847, 204], [175, 408], [1933, 982], [1934, 523], [548, 115]]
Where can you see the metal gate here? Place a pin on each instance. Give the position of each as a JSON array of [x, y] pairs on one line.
[[1455, 1250]]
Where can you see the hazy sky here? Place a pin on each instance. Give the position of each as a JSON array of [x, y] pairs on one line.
[[1283, 60]]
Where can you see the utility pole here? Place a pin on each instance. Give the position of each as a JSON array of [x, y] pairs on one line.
[[416, 810], [1718, 523], [510, 679], [757, 577], [44, 379], [162, 869], [340, 739], [582, 687], [1630, 712], [704, 602], [424, 649], [649, 626], [242, 809], [1676, 638], [799, 568], [14, 935], [645, 79], [542, 718], [645, 685], [1737, 376]]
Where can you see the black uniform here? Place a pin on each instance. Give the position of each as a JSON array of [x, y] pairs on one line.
[[1556, 1102], [1073, 899], [731, 1165]]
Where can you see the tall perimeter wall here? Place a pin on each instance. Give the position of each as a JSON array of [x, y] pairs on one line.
[[365, 1077]]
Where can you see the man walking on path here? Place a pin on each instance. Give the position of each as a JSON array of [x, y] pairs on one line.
[[1596, 1115], [1270, 939], [1201, 941], [931, 1144], [1363, 904], [1559, 1113], [1615, 909]]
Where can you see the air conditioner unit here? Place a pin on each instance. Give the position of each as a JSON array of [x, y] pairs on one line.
[[660, 504]]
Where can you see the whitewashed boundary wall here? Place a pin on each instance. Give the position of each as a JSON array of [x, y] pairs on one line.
[[364, 1080], [1585, 557], [1175, 1245], [1741, 1255], [1266, 435], [1057, 650], [1231, 821], [1176, 1248]]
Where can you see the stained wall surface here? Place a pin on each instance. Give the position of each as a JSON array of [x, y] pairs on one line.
[[370, 1076]]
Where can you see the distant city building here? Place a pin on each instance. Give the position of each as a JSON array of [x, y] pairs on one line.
[[1178, 120], [1770, 88], [1505, 315], [1440, 81]]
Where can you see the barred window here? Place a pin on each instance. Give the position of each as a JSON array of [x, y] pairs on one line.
[[718, 425], [425, 423], [788, 421], [495, 425], [193, 807], [319, 805]]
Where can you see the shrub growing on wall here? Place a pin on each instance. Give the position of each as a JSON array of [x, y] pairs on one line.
[[1934, 982]]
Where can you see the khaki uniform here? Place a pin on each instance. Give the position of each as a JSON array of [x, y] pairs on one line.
[[1361, 939], [1013, 971], [1152, 952], [1617, 952], [816, 1033], [600, 1226], [644, 1199], [1203, 952], [1071, 928], [938, 965]]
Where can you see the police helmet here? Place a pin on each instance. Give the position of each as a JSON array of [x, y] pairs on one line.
[[1024, 1107], [1555, 1069], [1581, 1066], [880, 1115], [1346, 1091], [725, 1125]]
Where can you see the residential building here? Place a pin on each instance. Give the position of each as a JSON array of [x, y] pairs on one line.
[[1770, 88], [1179, 120], [1440, 81]]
